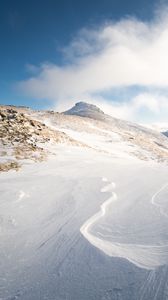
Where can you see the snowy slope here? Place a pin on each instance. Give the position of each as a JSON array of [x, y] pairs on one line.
[[159, 127], [89, 222], [90, 125]]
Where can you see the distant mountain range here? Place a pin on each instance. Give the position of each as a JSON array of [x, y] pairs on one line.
[[165, 133]]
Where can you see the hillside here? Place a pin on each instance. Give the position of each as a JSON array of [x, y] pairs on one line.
[[25, 138], [89, 219], [90, 125]]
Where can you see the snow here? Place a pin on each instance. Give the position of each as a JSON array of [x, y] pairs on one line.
[[133, 241], [84, 225], [160, 127], [89, 223]]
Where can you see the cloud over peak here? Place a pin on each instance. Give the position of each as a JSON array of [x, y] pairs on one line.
[[118, 54]]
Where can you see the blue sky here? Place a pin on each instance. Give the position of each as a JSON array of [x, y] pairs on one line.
[[47, 45]]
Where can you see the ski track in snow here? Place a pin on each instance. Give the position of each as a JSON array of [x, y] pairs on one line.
[[117, 249]]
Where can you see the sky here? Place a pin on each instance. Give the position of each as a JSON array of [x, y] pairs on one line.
[[111, 53]]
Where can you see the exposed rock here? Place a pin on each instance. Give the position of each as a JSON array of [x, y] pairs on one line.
[[25, 136], [8, 166], [84, 109]]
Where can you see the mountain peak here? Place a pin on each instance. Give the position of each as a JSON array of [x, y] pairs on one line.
[[85, 109]]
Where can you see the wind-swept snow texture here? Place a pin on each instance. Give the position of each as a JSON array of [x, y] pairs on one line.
[[144, 255], [90, 222], [120, 207]]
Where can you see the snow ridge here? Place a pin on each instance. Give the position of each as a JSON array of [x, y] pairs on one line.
[[143, 256]]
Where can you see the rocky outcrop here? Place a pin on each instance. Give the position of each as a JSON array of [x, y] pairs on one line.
[[24, 138], [84, 109]]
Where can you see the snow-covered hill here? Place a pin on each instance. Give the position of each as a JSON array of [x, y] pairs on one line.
[[88, 221], [37, 133], [84, 109], [88, 124], [159, 127]]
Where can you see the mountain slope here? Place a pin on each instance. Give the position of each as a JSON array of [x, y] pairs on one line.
[[28, 134], [88, 124], [87, 222]]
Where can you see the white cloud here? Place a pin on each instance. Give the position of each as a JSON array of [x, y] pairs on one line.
[[125, 53], [144, 108]]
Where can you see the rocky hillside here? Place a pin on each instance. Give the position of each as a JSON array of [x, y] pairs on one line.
[[32, 135], [22, 138]]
